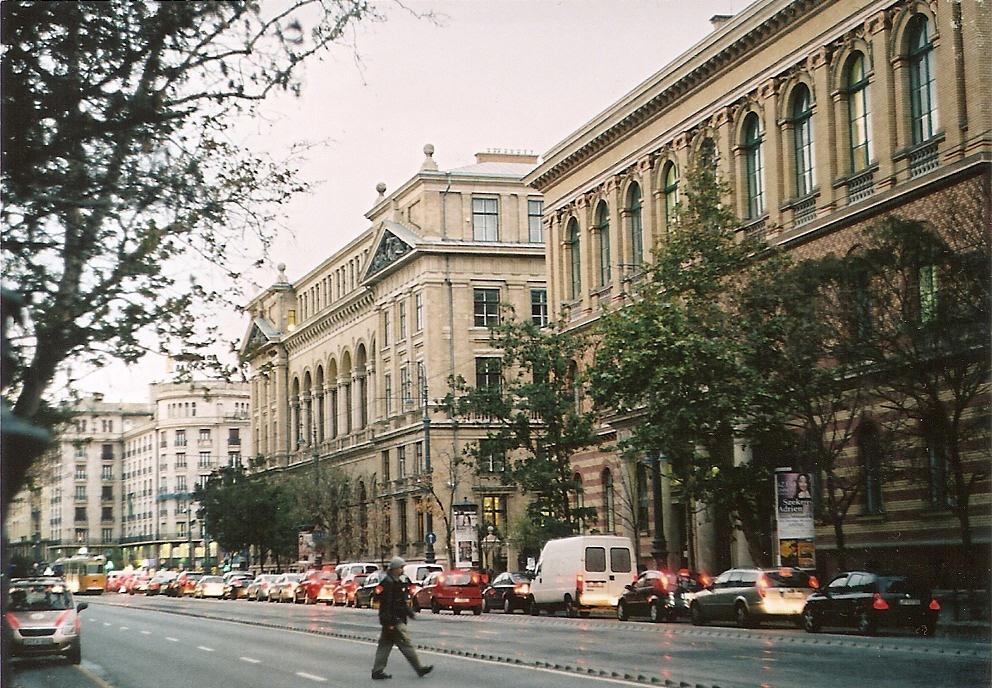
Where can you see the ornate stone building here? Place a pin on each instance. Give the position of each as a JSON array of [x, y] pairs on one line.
[[343, 357], [823, 116]]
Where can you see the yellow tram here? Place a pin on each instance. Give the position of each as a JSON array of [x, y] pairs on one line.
[[83, 573]]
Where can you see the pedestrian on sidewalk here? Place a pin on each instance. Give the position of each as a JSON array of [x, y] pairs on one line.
[[394, 611]]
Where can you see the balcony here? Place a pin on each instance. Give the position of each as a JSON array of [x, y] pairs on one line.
[[861, 186], [804, 211], [204, 442], [757, 229], [923, 159]]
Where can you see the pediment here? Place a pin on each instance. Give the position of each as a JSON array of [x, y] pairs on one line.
[[390, 249]]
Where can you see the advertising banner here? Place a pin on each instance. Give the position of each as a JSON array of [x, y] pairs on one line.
[[305, 542], [466, 553], [796, 527]]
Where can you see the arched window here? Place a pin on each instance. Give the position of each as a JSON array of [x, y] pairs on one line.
[[753, 167], [858, 113], [609, 501], [671, 192], [574, 259], [636, 226], [802, 139], [603, 230], [922, 80]]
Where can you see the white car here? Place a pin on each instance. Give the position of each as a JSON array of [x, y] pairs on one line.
[[209, 586], [581, 573], [43, 618]]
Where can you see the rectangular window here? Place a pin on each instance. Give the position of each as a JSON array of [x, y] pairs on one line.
[[387, 389], [385, 328], [107, 493], [107, 453], [486, 307], [107, 473], [180, 461], [596, 559], [82, 535], [492, 458], [535, 230], [418, 510], [620, 560], [180, 438], [385, 466], [418, 311], [204, 461], [163, 440], [181, 483], [234, 459], [418, 456], [539, 307], [494, 513], [107, 514], [400, 462], [401, 510], [80, 514], [234, 436], [107, 534], [421, 384], [80, 451], [80, 471], [402, 334], [485, 219], [406, 390], [204, 437], [488, 373]]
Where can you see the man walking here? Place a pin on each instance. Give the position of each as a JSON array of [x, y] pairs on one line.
[[393, 614]]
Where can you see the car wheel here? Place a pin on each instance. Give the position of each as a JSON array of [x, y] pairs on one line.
[[485, 605], [435, 607], [507, 605], [622, 614], [76, 653], [743, 617], [532, 608], [477, 610], [571, 611], [866, 625], [656, 613], [696, 614], [810, 623]]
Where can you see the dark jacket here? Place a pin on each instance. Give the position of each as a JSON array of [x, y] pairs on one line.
[[393, 605]]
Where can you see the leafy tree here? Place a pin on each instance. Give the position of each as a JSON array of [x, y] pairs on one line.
[[325, 498], [117, 159], [534, 420], [931, 310]]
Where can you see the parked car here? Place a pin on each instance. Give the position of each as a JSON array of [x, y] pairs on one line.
[[115, 581], [344, 570], [43, 618], [508, 591], [455, 589], [137, 583], [416, 573], [186, 583], [345, 593], [651, 595], [581, 573], [209, 586], [258, 589], [236, 584], [160, 581], [750, 596], [317, 586], [868, 601], [283, 588], [367, 594]]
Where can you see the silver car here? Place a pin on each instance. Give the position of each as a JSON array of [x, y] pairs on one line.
[[43, 618], [750, 596]]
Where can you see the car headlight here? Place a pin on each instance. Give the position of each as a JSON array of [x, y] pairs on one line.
[[68, 628]]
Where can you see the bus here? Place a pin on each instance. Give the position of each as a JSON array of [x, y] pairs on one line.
[[83, 573]]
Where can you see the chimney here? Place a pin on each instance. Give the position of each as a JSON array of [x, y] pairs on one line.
[[98, 397], [718, 20], [502, 155]]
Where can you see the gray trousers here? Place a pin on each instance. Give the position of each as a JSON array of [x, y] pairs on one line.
[[398, 636]]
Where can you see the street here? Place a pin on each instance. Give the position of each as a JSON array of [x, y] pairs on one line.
[[138, 642]]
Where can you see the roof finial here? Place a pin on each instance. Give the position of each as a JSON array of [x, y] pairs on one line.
[[429, 163], [281, 267], [381, 188]]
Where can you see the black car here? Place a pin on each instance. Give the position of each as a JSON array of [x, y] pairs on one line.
[[659, 596], [508, 591], [369, 590], [868, 601]]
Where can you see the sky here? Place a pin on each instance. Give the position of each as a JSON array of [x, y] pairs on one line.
[[511, 74]]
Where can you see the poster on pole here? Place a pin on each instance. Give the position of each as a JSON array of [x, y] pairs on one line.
[[466, 553], [305, 542], [796, 527]]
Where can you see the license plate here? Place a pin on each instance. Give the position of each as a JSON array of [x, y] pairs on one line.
[[38, 641], [595, 584], [463, 600], [910, 603]]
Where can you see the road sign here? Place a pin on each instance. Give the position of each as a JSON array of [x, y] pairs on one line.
[[431, 538]]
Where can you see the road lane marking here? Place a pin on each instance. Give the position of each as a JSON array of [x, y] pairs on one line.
[[250, 660], [171, 639], [303, 674], [146, 633], [123, 628], [106, 623], [205, 649], [85, 671]]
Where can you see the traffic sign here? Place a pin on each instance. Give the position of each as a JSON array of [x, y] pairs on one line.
[[431, 538]]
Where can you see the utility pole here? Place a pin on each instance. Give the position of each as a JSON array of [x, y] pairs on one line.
[[429, 546]]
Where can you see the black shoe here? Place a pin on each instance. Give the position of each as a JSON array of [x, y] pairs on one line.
[[380, 675], [423, 671]]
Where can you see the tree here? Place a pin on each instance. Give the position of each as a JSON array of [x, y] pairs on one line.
[[325, 499], [674, 357], [117, 160], [533, 419], [931, 311], [442, 504]]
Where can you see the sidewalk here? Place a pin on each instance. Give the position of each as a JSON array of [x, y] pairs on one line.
[[955, 620]]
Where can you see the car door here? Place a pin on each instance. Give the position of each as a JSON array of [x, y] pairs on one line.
[[832, 613], [723, 600], [860, 595], [634, 598], [495, 592]]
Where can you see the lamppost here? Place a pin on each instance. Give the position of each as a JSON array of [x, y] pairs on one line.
[[659, 546], [429, 545]]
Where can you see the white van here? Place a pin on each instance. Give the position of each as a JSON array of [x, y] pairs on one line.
[[580, 573], [416, 573]]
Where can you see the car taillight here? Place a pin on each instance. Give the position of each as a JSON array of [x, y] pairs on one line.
[[762, 585], [879, 603], [522, 588], [12, 621], [580, 583], [814, 582], [378, 590], [440, 580], [475, 579], [935, 605]]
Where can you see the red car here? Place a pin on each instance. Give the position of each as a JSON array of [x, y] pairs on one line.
[[186, 583], [317, 586], [137, 583], [345, 592], [456, 589]]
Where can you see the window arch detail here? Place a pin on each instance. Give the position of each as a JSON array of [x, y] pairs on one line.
[[636, 226], [603, 230], [753, 157], [574, 259], [801, 119]]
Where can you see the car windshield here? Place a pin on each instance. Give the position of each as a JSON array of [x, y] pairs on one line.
[[212, 579], [787, 578], [38, 598], [458, 579], [520, 578]]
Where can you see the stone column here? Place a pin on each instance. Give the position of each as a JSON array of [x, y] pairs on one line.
[[344, 405], [306, 406], [586, 251], [705, 540], [886, 115], [825, 144], [772, 153], [740, 556], [618, 233], [281, 438], [296, 429]]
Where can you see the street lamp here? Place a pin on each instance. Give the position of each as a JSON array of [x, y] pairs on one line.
[[429, 545]]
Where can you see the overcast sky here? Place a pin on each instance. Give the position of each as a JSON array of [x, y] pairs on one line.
[[519, 74]]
